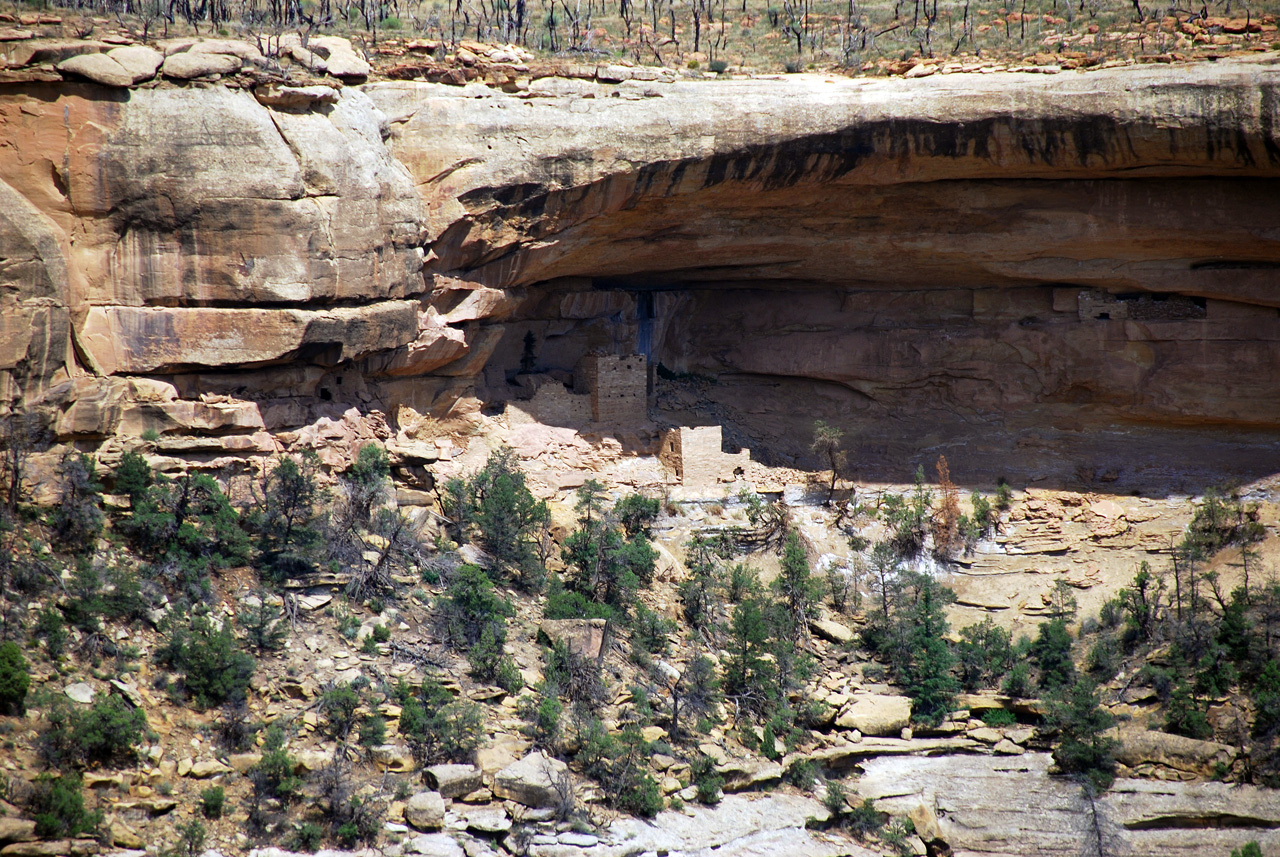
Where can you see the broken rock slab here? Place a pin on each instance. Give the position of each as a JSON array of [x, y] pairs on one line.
[[425, 811], [433, 845], [454, 781], [584, 637], [1142, 746], [80, 692], [876, 714], [829, 629], [534, 781], [187, 66], [98, 68]]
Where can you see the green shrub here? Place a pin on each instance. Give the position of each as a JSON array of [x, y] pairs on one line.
[[1104, 658], [718, 66], [564, 603], [1220, 519], [496, 508], [51, 628], [473, 617], [639, 795], [14, 679], [308, 836], [133, 476], [895, 834], [214, 668], [373, 730], [985, 654], [1249, 849], [1185, 715], [190, 842], [604, 564], [1018, 683], [1051, 652], [57, 805], [263, 625], [543, 712], [507, 675], [274, 776], [803, 774], [107, 733], [77, 519], [437, 727], [649, 631], [188, 528], [707, 780], [212, 801], [338, 704], [1266, 700], [835, 799], [573, 676], [864, 820], [636, 512], [743, 582], [797, 588], [1004, 496], [1080, 722], [997, 717]]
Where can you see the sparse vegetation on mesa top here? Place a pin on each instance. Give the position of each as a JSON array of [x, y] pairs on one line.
[[792, 34]]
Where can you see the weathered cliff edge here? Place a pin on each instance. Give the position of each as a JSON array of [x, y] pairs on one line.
[[227, 272]]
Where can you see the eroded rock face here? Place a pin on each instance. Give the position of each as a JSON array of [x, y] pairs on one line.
[[1081, 264], [1007, 261], [992, 805]]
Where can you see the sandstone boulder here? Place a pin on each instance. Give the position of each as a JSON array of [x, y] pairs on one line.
[[395, 758], [503, 752], [130, 692], [487, 819], [534, 781], [124, 836], [100, 68], [875, 714], [1005, 747], [454, 781], [80, 692], [425, 811], [35, 51], [310, 761], [295, 97], [343, 61], [743, 774], [584, 637], [1147, 747], [188, 65], [140, 61], [243, 762], [206, 768], [16, 830], [829, 629], [53, 848], [228, 47]]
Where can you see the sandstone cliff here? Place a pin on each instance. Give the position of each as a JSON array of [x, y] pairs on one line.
[[1065, 262]]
